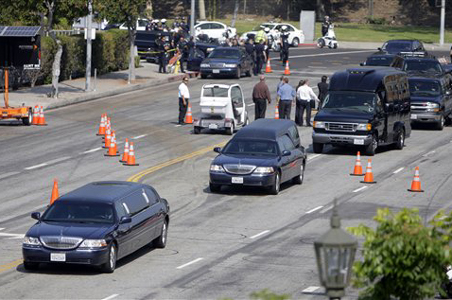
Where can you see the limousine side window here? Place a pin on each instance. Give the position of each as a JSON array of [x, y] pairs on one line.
[[285, 143], [135, 203], [149, 196], [121, 209], [293, 132]]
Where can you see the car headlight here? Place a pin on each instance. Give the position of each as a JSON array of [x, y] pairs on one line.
[[432, 105], [93, 244], [264, 170], [205, 66], [29, 240], [216, 168], [318, 124], [230, 65], [364, 127]]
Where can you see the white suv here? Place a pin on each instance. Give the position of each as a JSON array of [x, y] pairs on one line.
[[214, 29], [296, 36]]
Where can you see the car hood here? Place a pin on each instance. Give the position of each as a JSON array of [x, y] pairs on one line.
[[86, 231], [245, 160], [421, 99], [220, 60], [343, 115]]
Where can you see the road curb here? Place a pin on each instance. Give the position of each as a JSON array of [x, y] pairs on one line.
[[131, 88]]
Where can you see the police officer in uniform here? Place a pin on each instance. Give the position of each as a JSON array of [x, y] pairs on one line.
[[183, 49], [284, 44], [325, 25], [249, 48], [260, 57], [162, 49]]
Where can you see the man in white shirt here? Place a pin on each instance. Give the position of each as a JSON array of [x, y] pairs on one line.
[[184, 97], [304, 96]]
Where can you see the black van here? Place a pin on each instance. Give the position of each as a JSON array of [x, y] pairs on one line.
[[265, 153], [365, 106]]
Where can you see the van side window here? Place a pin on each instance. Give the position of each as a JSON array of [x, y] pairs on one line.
[[135, 203], [285, 143], [150, 196]]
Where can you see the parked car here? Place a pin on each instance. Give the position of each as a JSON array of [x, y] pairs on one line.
[[422, 65], [431, 99], [406, 47], [384, 59], [97, 224], [367, 107], [296, 36], [232, 61], [214, 30], [265, 153]]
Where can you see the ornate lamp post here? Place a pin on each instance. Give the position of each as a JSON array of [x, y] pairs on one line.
[[335, 252]]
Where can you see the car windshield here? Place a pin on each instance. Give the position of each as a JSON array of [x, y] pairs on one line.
[[423, 66], [364, 102], [224, 53], [251, 147], [394, 47], [379, 61], [259, 27], [424, 88], [79, 212], [215, 91]]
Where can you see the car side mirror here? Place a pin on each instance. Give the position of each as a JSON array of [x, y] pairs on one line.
[[286, 153], [125, 220], [36, 215], [379, 49], [217, 149], [362, 64]]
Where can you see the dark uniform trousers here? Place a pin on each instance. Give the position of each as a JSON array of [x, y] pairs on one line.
[[182, 109], [162, 62], [260, 107], [301, 105], [284, 108]]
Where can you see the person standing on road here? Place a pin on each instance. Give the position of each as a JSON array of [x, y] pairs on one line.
[[260, 57], [183, 49], [323, 90], [284, 45], [287, 95], [280, 83], [304, 96], [261, 95], [184, 97], [249, 48], [162, 54]]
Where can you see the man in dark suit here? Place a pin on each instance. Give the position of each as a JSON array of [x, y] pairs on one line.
[[323, 90]]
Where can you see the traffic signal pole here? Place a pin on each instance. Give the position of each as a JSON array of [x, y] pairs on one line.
[[443, 20]]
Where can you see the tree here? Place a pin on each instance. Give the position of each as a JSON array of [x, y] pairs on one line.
[[402, 257], [128, 12]]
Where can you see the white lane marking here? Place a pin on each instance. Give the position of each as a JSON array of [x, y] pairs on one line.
[[310, 157], [429, 153], [178, 125], [139, 137], [314, 209], [398, 170], [58, 160], [92, 150], [326, 209], [12, 235], [36, 166], [328, 54], [111, 297], [259, 234], [8, 174], [317, 67], [2, 228], [252, 104], [310, 289], [360, 189], [190, 263]]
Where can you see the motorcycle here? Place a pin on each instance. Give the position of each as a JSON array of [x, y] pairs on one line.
[[273, 42], [329, 39]]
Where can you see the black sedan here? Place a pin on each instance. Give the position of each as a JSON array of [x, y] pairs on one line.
[[404, 47], [97, 224], [230, 61]]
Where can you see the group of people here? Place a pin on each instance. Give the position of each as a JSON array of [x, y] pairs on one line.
[[303, 97], [179, 24]]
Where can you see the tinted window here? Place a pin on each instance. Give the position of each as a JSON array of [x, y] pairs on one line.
[[135, 203], [400, 46], [424, 88], [285, 143], [204, 26], [251, 147], [150, 196], [290, 28], [379, 61], [225, 53], [120, 210], [427, 66], [215, 92], [293, 132], [80, 212], [216, 26], [364, 102]]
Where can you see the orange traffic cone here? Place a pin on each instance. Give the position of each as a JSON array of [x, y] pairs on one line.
[[287, 70], [107, 139], [113, 149], [369, 177], [102, 125], [189, 116], [55, 193], [358, 171], [41, 119], [268, 68], [131, 158], [276, 112], [125, 155], [416, 183], [35, 115], [107, 126]]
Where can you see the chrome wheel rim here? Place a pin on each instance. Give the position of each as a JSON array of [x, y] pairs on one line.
[[112, 257], [301, 172], [164, 233], [277, 183]]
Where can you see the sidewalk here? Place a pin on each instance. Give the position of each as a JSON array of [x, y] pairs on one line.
[[107, 85]]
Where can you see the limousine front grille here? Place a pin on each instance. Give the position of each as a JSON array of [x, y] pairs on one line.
[[239, 169], [217, 65], [61, 242], [343, 127]]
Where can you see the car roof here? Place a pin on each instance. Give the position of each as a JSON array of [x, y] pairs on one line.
[[102, 191], [221, 85], [269, 129], [227, 48]]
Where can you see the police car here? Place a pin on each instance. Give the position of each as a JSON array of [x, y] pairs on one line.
[[296, 36]]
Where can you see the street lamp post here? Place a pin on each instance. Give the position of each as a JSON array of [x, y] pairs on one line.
[[335, 252]]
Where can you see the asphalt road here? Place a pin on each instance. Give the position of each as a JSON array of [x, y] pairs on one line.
[[219, 245]]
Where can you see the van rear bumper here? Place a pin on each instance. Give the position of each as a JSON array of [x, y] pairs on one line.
[[341, 139]]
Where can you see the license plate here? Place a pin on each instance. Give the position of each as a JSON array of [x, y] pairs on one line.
[[213, 126], [57, 256], [413, 117], [358, 141], [216, 71], [238, 180]]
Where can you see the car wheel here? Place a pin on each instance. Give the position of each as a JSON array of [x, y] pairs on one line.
[[110, 265], [247, 121], [214, 188], [30, 266], [203, 76], [335, 46], [440, 124], [239, 72], [196, 130], [400, 140], [230, 130], [28, 120], [299, 179], [372, 147], [160, 242], [320, 43], [248, 73], [317, 147], [295, 42], [274, 189]]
